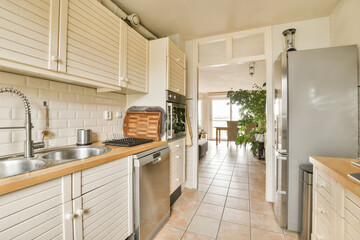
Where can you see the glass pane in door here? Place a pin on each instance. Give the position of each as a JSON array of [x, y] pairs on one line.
[[220, 114]]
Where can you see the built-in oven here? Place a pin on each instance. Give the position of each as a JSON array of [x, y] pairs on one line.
[[176, 112]]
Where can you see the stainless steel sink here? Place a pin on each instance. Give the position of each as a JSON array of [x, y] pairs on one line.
[[12, 167], [75, 153]]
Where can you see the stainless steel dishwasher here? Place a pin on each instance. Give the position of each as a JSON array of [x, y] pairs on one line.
[[151, 192]]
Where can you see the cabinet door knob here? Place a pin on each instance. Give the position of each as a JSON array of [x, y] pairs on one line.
[[177, 156], [55, 58], [178, 59], [178, 90], [69, 216], [178, 179], [321, 210], [177, 145], [321, 184], [80, 212]]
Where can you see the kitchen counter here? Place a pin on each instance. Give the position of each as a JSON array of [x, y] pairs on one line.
[[17, 182], [338, 169]]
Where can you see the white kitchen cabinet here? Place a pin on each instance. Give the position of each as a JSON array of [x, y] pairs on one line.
[[177, 163], [29, 32], [38, 212], [95, 203], [134, 60], [89, 41]]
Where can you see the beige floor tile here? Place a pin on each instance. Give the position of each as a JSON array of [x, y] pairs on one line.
[[223, 177], [238, 185], [203, 187], [193, 195], [241, 174], [186, 205], [207, 175], [179, 219], [256, 181], [193, 236], [220, 183], [265, 222], [210, 211], [239, 193], [240, 179], [262, 207], [258, 234], [169, 233], [231, 231], [204, 226], [236, 216], [257, 196], [205, 180], [257, 187], [218, 190], [209, 170], [214, 199], [226, 168], [226, 172], [238, 203]]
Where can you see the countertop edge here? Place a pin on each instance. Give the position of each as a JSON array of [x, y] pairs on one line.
[[18, 182], [341, 178]]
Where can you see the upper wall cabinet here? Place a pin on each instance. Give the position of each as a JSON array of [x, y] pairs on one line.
[[77, 41], [29, 32], [176, 69], [134, 60], [89, 41]]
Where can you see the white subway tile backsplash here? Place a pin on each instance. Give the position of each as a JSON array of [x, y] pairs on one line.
[[75, 89], [70, 107], [14, 79], [37, 83]]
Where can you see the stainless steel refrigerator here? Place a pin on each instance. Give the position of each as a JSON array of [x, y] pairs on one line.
[[316, 114]]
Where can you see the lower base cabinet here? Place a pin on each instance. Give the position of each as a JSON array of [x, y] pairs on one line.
[[336, 210], [177, 163], [52, 210]]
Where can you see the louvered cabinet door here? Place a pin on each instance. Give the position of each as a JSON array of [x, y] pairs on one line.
[[177, 161], [42, 211], [176, 69], [135, 60], [89, 41], [29, 32], [104, 208]]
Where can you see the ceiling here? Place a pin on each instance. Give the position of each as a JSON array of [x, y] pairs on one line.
[[200, 18], [234, 76]]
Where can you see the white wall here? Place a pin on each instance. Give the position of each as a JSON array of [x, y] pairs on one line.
[[70, 107], [344, 24], [310, 34]]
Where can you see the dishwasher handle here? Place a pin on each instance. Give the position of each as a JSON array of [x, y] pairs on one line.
[[152, 158], [156, 158]]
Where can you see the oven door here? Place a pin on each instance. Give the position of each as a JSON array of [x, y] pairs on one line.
[[176, 120]]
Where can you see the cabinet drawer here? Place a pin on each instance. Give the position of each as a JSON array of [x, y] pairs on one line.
[[350, 232], [352, 210], [95, 177], [326, 186], [176, 145], [176, 171], [324, 213], [176, 54]]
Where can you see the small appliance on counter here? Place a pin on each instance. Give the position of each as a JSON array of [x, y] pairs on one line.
[[84, 137], [127, 141], [176, 112]]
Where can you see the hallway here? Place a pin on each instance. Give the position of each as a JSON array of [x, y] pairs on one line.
[[229, 204]]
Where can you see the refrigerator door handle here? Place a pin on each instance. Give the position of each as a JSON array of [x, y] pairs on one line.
[[280, 174]]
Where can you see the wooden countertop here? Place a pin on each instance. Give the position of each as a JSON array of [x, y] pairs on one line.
[[14, 183], [338, 169]]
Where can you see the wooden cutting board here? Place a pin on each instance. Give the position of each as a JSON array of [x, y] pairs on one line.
[[143, 125]]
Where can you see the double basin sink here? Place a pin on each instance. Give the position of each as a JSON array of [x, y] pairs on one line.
[[19, 165]]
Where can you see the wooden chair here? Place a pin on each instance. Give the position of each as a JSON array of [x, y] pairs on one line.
[[232, 131]]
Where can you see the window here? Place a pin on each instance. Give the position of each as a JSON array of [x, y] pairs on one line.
[[221, 112]]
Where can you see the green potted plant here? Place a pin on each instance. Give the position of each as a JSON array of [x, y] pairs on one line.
[[252, 115]]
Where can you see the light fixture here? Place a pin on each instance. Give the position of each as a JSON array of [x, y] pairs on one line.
[[252, 69]]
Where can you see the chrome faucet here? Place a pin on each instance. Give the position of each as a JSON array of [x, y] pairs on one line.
[[29, 145]]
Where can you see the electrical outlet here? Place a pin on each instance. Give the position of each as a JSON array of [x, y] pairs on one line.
[[118, 114], [107, 115]]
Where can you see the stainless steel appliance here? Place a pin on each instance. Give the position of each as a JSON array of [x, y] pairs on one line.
[[84, 137], [306, 181], [176, 112], [316, 113], [151, 192]]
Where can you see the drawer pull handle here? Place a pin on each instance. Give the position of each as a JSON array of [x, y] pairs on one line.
[[177, 145], [55, 58], [322, 184], [321, 210], [178, 90], [80, 212], [178, 59], [69, 216], [177, 157], [178, 179]]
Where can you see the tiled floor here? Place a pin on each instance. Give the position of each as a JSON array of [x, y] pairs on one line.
[[229, 204]]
